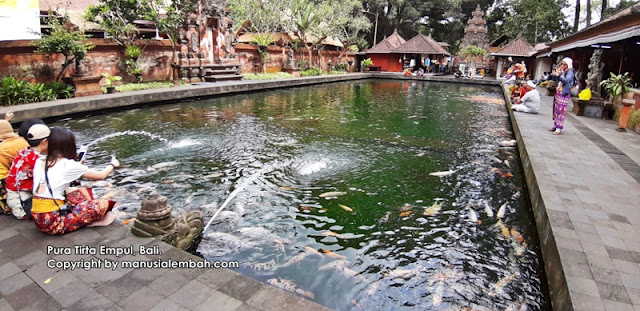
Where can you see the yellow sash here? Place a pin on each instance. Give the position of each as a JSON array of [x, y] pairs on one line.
[[42, 205]]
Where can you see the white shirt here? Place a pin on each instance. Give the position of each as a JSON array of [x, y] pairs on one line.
[[532, 100], [60, 176]]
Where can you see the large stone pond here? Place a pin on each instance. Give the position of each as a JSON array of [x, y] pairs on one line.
[[333, 195]]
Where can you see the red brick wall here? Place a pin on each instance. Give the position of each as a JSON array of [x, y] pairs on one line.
[[17, 58], [276, 60]]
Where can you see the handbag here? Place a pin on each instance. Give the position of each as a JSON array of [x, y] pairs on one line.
[[65, 208]]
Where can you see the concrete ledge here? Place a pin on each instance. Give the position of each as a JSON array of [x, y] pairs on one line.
[[558, 288]]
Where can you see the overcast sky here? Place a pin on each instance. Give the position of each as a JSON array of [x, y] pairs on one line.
[[595, 11]]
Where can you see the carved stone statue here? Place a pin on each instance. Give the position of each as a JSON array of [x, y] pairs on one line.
[[154, 220], [291, 58], [596, 66]]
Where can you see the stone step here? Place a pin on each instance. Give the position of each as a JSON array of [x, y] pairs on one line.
[[222, 78], [211, 72]]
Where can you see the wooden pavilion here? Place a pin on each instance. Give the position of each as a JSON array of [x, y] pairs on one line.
[[394, 53]]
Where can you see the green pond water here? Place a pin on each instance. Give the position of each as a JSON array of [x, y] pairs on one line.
[[375, 143]]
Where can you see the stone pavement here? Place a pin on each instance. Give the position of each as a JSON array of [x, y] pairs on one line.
[[28, 283], [584, 187]]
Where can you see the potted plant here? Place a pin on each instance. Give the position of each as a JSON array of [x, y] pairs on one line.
[[366, 63], [109, 82], [617, 85]]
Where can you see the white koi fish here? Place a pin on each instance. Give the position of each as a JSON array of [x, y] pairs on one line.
[[502, 210], [442, 174], [334, 264], [397, 273], [269, 265], [332, 194], [488, 209], [507, 143], [498, 287], [296, 259], [433, 209], [437, 295], [312, 251], [346, 208], [472, 215], [290, 286], [351, 274]]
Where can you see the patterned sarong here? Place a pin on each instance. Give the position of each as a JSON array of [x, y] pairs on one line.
[[560, 109], [84, 210], [4, 208]]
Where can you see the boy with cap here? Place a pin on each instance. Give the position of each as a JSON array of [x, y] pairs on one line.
[[9, 147], [20, 179]]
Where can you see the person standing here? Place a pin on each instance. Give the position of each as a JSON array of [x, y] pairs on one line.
[[564, 74]]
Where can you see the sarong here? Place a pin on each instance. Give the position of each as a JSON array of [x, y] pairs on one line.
[[560, 109], [84, 210]]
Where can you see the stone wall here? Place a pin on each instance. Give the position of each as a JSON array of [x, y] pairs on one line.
[[17, 58]]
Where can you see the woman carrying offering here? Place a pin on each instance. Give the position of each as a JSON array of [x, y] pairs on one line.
[[55, 213]]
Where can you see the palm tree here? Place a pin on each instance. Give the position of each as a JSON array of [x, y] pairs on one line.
[[305, 20], [576, 21]]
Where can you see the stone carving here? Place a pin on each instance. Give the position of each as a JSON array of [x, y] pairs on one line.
[[475, 33], [292, 60], [595, 71], [154, 220], [195, 44]]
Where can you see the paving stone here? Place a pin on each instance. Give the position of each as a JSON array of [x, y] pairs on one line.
[[191, 295], [626, 267], [294, 303], [58, 280], [216, 278], [630, 280], [146, 276], [619, 218], [170, 305], [579, 270], [569, 244], [142, 300], [3, 259], [71, 293], [121, 288], [634, 295], [241, 287], [13, 247], [47, 303], [572, 256], [246, 307], [5, 306], [31, 259], [97, 277], [14, 283], [589, 237], [8, 270], [92, 302], [582, 285], [6, 233], [32, 291], [616, 306], [621, 254], [606, 275], [169, 282], [221, 302], [613, 292], [613, 242], [267, 298]]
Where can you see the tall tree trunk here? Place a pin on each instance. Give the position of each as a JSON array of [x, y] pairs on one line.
[[604, 8], [588, 13], [576, 21]]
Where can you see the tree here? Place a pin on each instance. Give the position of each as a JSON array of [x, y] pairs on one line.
[[576, 21], [471, 53], [117, 16], [263, 40], [261, 16], [169, 16], [536, 20], [305, 20], [65, 41]]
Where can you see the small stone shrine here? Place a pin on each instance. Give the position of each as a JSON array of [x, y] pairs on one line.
[[594, 77], [154, 220]]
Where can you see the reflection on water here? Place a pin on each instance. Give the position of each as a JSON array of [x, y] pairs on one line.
[[337, 203]]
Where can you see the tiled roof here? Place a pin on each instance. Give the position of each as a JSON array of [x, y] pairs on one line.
[[517, 47], [388, 44], [421, 44]]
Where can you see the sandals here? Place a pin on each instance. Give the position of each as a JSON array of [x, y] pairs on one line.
[[557, 132], [553, 129]]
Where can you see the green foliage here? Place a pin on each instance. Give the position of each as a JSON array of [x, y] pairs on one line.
[[117, 16], [63, 41], [337, 72], [263, 39], [634, 119], [340, 67], [14, 91], [311, 72], [143, 86], [472, 52], [260, 16], [268, 76], [367, 62], [132, 51], [110, 79], [534, 20], [169, 16], [617, 84]]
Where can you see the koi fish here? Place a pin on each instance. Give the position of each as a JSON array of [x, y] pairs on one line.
[[505, 175], [269, 265], [473, 216], [331, 233], [307, 208], [433, 209], [516, 195], [502, 210], [333, 255], [346, 208], [334, 264], [405, 207], [372, 288], [332, 194], [295, 259], [494, 170], [518, 248], [506, 162], [405, 213], [385, 218], [280, 246], [351, 274], [437, 295], [287, 188], [356, 304], [442, 174], [290, 286], [313, 251], [397, 273], [516, 235], [508, 143], [503, 229], [125, 222], [498, 287], [488, 209]]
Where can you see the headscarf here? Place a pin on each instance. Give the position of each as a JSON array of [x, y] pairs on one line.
[[568, 61]]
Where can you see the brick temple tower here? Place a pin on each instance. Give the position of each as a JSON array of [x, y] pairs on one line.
[[475, 33]]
